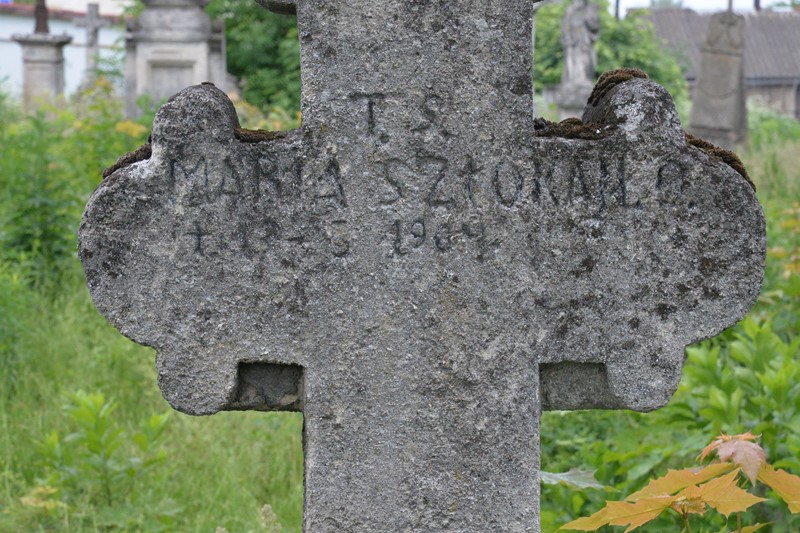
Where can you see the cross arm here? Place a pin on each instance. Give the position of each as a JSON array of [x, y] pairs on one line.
[[666, 247], [204, 217]]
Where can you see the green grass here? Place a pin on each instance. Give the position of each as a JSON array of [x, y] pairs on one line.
[[212, 472], [219, 471], [204, 473]]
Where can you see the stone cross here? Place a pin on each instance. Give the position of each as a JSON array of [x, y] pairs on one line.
[[422, 268], [92, 22]]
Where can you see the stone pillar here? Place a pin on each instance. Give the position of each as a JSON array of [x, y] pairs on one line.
[[42, 59], [719, 110], [217, 62], [43, 66], [172, 45]]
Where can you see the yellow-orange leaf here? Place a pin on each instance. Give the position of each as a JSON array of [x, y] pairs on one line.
[[638, 513], [687, 503], [676, 480], [785, 484], [588, 523], [628, 514], [724, 495]]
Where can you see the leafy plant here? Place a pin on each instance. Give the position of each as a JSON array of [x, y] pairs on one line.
[[263, 52], [692, 492], [96, 464]]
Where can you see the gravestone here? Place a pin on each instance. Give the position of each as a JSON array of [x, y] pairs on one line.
[[173, 44], [580, 29], [719, 110], [93, 23], [421, 268], [42, 60]]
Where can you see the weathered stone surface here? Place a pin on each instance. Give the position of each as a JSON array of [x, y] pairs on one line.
[[408, 266], [719, 107]]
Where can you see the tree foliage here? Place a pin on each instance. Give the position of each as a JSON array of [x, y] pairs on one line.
[[263, 53], [629, 42]]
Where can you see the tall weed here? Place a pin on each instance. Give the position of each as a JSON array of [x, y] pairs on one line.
[[49, 163]]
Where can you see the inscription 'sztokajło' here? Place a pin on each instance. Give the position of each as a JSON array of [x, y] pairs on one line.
[[414, 269], [448, 200]]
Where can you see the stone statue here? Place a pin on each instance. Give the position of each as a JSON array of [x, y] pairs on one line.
[[580, 29]]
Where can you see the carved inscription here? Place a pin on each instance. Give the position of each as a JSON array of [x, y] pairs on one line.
[[329, 186], [449, 197], [428, 200], [198, 184], [508, 182], [198, 233]]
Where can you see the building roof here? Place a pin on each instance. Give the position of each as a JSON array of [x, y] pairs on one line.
[[772, 42], [26, 10]]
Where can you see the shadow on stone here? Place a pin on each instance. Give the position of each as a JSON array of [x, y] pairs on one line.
[[268, 387]]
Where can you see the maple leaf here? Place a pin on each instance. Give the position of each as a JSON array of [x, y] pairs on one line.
[[722, 494], [676, 480], [726, 438], [623, 513], [638, 513], [588, 523], [689, 504], [785, 484], [739, 450]]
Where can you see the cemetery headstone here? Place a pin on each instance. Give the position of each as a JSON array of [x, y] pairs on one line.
[[422, 267], [580, 29], [173, 44], [42, 60], [93, 23], [719, 110]]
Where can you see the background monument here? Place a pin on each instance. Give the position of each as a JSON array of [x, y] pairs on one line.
[[719, 110], [172, 44], [43, 60], [93, 23], [580, 29]]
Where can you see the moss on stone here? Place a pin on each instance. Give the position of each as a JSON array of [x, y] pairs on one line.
[[611, 79], [140, 154], [728, 157], [257, 136], [569, 128]]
